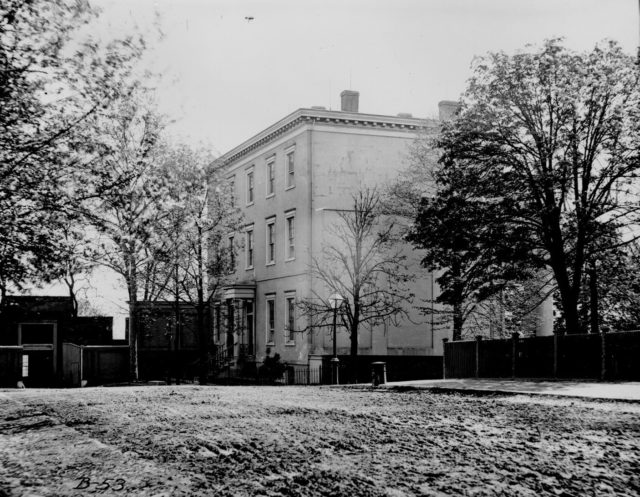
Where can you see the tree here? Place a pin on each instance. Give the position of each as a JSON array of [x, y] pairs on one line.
[[469, 241], [560, 133], [49, 85], [77, 257], [364, 263], [126, 217], [200, 217]]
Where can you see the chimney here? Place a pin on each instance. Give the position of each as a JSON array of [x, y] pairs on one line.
[[349, 101], [447, 109]]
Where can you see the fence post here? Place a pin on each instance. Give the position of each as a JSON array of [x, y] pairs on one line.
[[444, 358], [514, 353], [603, 353], [555, 355], [478, 340]]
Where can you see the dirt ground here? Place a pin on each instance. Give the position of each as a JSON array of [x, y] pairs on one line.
[[273, 441]]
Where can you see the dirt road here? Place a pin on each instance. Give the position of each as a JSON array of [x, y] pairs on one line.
[[273, 441]]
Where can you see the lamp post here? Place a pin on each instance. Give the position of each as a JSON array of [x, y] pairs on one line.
[[335, 301]]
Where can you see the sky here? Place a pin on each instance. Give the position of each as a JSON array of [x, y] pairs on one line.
[[226, 77], [228, 69]]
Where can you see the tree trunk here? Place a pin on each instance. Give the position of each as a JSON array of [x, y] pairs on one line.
[[132, 286], [203, 334], [175, 353], [71, 283], [133, 338], [457, 321], [558, 263], [354, 330], [204, 342], [593, 299]]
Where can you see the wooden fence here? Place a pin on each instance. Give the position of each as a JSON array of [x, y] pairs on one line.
[[605, 356]]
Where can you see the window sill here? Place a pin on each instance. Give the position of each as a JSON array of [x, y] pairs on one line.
[[290, 344], [290, 259], [249, 204], [270, 195], [289, 187], [248, 268], [272, 263]]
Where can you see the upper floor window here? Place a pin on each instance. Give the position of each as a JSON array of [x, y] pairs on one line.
[[250, 187], [232, 253], [291, 236], [232, 191], [271, 177], [271, 241], [291, 168], [250, 246]]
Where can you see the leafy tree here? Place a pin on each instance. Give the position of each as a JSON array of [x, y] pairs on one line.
[[126, 218], [363, 262], [49, 85], [77, 257], [559, 132], [470, 242], [610, 296]]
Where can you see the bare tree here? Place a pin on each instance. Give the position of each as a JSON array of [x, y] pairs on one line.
[[363, 261], [197, 253]]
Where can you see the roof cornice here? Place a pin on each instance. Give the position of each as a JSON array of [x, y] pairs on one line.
[[321, 116]]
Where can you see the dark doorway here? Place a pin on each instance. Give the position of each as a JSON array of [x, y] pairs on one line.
[[37, 368]]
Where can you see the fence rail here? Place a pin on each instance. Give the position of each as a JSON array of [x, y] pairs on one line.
[[604, 356]]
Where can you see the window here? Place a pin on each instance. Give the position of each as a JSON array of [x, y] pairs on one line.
[[291, 236], [271, 242], [248, 308], [290, 162], [232, 253], [249, 248], [290, 316], [232, 191], [271, 178], [250, 187], [25, 366], [271, 320]]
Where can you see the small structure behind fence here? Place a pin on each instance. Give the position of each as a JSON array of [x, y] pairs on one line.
[[94, 364], [604, 356]]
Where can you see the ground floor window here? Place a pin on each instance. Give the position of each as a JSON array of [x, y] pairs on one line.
[[248, 313], [271, 320], [290, 313]]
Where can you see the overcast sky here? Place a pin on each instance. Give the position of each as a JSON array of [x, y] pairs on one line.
[[226, 77]]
